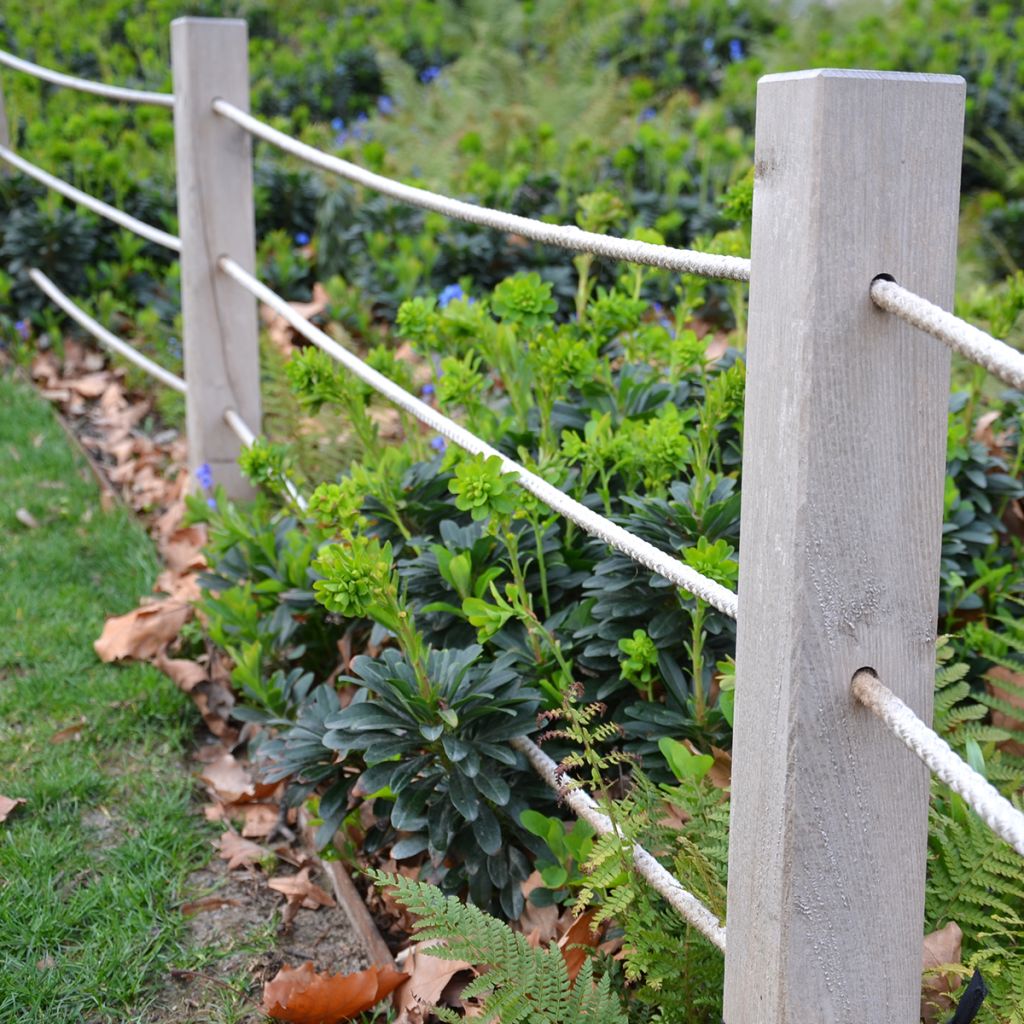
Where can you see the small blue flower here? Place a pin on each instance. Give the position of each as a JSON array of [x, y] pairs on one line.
[[735, 49], [205, 476], [427, 75], [386, 105], [427, 391], [337, 124], [359, 129], [647, 114], [212, 502], [708, 45], [301, 238], [24, 329], [448, 294], [341, 138], [439, 444]]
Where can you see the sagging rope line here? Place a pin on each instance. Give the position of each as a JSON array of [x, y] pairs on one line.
[[244, 434], [111, 92], [988, 803], [996, 356], [102, 335], [583, 806], [639, 550], [112, 213], [579, 802], [565, 236]]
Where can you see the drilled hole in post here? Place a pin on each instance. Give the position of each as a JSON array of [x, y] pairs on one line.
[[882, 277], [858, 679]]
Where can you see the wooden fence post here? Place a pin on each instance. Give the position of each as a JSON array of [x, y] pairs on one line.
[[857, 173], [209, 58]]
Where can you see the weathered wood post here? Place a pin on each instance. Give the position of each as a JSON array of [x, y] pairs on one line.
[[857, 173], [209, 58]]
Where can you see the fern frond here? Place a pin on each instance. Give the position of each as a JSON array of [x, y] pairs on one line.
[[975, 879], [520, 984]]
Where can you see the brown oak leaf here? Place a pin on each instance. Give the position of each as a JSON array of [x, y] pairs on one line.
[[301, 995]]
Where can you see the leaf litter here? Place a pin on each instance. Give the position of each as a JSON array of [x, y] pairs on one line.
[[250, 889]]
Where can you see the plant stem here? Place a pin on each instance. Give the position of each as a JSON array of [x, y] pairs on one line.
[[697, 658], [542, 567]]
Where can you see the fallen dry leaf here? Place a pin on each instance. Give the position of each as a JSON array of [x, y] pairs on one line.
[[280, 331], [300, 995], [538, 924], [69, 732], [576, 941], [720, 773], [231, 781], [209, 903], [428, 977], [259, 819], [186, 675], [26, 519], [299, 888], [239, 852], [92, 385], [8, 805], [941, 948], [143, 632], [183, 551]]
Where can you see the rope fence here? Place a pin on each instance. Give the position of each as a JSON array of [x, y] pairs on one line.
[[990, 805], [583, 806], [102, 335], [566, 236], [216, 167], [110, 92], [111, 213], [996, 356], [596, 525]]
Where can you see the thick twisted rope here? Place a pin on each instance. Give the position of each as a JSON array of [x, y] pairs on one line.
[[996, 356], [110, 92], [639, 550], [563, 235], [583, 806], [990, 805], [102, 335], [112, 213]]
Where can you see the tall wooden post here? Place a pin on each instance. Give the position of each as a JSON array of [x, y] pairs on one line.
[[209, 59], [857, 173]]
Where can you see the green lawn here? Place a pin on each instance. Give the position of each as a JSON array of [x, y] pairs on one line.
[[92, 866]]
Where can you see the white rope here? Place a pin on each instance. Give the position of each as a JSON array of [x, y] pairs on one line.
[[102, 335], [639, 550], [119, 217], [239, 427], [990, 805], [583, 806], [111, 92], [565, 236], [248, 438], [996, 356]]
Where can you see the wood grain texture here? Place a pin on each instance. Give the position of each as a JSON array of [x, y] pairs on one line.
[[209, 59], [856, 174]]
